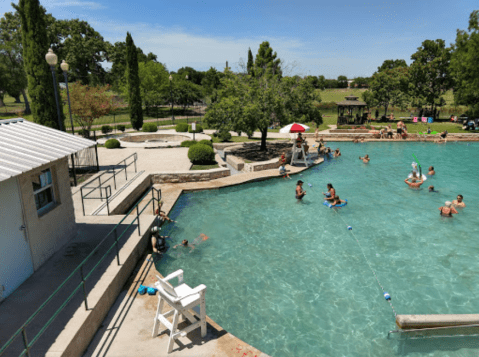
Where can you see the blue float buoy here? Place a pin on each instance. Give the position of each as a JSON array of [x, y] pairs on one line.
[[350, 228], [387, 296]]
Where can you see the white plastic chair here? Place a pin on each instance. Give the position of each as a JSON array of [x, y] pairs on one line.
[[181, 298]]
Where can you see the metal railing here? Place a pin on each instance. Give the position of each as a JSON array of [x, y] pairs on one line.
[[79, 270], [101, 183]]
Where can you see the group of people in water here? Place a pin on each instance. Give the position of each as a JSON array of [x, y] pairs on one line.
[[158, 241]]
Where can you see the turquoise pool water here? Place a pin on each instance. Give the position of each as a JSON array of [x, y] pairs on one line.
[[290, 278]]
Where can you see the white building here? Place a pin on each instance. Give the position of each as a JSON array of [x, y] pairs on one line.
[[36, 208]]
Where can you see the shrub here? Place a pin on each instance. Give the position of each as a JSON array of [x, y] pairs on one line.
[[149, 127], [84, 132], [188, 143], [206, 142], [181, 128], [199, 129], [224, 135], [112, 144], [201, 154], [105, 129], [121, 128]]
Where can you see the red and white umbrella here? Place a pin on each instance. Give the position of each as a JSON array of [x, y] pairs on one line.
[[294, 128]]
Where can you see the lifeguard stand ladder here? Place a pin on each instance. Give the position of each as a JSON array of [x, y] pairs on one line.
[[296, 153]]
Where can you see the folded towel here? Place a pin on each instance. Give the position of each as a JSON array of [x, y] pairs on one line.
[[142, 290]]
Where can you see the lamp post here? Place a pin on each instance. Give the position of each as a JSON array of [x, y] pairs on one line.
[[188, 91], [171, 98], [65, 68], [52, 59]]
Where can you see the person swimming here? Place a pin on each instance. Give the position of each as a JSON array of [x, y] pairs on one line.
[[431, 171], [365, 158], [337, 201], [431, 189], [198, 240]]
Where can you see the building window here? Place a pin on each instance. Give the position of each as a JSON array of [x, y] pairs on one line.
[[43, 191]]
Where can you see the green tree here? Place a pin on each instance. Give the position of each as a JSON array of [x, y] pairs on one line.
[[342, 82], [464, 65], [35, 47], [194, 76], [211, 83], [360, 82], [429, 74], [321, 82], [369, 99], [266, 62], [391, 64], [134, 94], [76, 42], [300, 100], [153, 76], [387, 88], [250, 64]]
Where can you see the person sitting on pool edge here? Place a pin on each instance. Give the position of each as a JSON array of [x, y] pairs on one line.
[[459, 202], [431, 171], [337, 201], [162, 214], [414, 183], [337, 153], [447, 210], [300, 193], [283, 172], [365, 158], [431, 189]]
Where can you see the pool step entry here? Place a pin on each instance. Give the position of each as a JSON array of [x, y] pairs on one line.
[[102, 209]]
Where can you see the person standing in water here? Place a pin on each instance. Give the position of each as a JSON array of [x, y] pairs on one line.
[[414, 183], [365, 158], [331, 192], [300, 193]]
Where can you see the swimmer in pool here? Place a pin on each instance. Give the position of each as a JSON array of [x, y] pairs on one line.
[[337, 153], [331, 192], [447, 210], [300, 193], [414, 183], [459, 202], [337, 201], [431, 189], [365, 158], [185, 243], [431, 171]]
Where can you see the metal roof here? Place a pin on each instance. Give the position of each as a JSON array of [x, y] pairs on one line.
[[25, 145]]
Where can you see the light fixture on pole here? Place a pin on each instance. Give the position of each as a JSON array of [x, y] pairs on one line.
[[52, 59], [65, 68], [188, 90], [171, 98]]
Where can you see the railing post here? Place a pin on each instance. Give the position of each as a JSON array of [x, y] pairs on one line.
[[138, 219], [25, 341], [84, 289], [117, 249], [107, 200], [135, 163], [114, 177], [126, 176], [153, 199], [82, 203]]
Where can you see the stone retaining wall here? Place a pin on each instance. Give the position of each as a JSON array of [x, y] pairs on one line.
[[189, 176], [237, 162], [260, 166], [349, 131]]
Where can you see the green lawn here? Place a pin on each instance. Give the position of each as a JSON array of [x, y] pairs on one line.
[[205, 167]]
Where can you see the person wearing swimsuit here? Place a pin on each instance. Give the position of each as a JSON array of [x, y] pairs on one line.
[[331, 193], [299, 190], [447, 210]]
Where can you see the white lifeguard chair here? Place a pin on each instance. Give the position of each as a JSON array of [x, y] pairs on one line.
[[184, 301], [296, 153]]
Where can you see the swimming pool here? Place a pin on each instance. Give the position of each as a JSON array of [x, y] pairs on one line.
[[291, 280]]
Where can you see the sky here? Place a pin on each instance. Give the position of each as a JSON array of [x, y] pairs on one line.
[[329, 38]]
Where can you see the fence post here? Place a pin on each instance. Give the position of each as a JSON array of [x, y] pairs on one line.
[[84, 289], [25, 341], [96, 156], [126, 175], [114, 177], [82, 202], [107, 199], [74, 171], [138, 219], [117, 249], [135, 162]]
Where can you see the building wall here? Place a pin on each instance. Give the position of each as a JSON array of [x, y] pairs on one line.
[[50, 231]]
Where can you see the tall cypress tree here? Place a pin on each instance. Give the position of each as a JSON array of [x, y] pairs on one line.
[[250, 64], [134, 96], [35, 47]]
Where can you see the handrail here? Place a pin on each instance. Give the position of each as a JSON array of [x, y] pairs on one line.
[[100, 184], [79, 268]]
